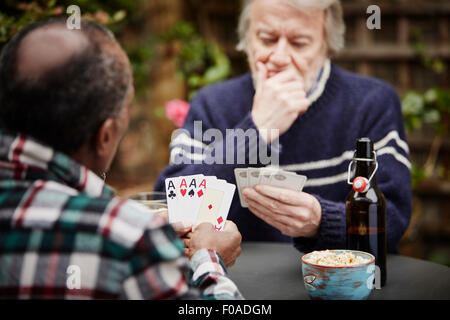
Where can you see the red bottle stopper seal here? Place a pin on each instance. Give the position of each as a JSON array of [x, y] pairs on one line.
[[360, 184]]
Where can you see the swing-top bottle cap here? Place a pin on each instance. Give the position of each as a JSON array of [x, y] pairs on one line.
[[360, 184]]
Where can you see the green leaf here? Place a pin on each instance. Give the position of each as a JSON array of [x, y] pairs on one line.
[[438, 66], [413, 103], [416, 122], [431, 96], [51, 4], [221, 68], [432, 116], [194, 80], [119, 15]]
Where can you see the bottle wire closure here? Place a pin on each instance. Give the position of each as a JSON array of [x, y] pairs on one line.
[[361, 184]]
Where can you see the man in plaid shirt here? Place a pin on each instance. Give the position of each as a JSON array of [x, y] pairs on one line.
[[65, 97]]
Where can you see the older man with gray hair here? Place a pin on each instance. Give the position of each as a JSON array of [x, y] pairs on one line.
[[318, 111]]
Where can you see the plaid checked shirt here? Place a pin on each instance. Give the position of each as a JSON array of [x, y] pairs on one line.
[[63, 235]]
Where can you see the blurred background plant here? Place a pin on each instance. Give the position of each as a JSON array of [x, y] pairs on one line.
[[427, 114], [428, 111], [200, 63]]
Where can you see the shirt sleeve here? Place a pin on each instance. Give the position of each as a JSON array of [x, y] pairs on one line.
[[158, 270], [209, 274]]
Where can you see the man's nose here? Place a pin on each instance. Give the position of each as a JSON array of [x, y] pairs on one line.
[[281, 57]]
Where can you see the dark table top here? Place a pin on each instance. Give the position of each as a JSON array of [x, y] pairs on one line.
[[273, 271]]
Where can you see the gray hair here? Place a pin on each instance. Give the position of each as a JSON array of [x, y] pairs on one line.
[[334, 23]]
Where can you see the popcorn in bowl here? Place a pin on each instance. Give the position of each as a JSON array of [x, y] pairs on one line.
[[338, 274], [334, 259]]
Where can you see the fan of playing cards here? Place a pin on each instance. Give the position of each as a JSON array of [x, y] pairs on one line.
[[198, 199], [249, 177]]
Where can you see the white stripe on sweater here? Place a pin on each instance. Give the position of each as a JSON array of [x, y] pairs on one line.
[[399, 157], [392, 135], [326, 180], [347, 155], [191, 156], [186, 140], [343, 176], [321, 164]]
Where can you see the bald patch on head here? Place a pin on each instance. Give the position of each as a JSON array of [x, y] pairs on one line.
[[47, 48]]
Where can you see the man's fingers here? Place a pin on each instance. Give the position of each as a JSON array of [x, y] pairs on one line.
[[203, 226], [291, 87], [262, 75], [164, 214], [281, 218], [287, 196], [285, 76], [230, 226], [272, 205], [266, 202], [182, 228]]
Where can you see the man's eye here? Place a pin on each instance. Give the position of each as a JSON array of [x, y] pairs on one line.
[[269, 40], [299, 44]]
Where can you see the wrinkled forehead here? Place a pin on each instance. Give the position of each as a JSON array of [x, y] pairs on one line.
[[282, 16]]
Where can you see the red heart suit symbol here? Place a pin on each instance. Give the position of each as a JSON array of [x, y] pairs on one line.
[[183, 192]]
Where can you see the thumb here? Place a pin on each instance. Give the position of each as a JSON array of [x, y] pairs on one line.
[[182, 227], [262, 75], [230, 226]]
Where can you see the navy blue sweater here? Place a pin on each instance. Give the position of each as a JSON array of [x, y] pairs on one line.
[[319, 144]]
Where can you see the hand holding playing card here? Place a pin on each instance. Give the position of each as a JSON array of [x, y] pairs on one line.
[[226, 243], [250, 177], [295, 214], [197, 198], [181, 228]]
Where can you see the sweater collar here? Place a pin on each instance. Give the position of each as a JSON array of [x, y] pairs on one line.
[[23, 158], [321, 81]]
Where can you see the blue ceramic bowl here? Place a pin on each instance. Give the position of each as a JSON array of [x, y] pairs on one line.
[[339, 283]]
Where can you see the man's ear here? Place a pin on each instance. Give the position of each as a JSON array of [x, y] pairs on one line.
[[104, 140]]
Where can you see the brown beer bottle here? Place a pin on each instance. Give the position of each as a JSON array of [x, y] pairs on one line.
[[366, 208]]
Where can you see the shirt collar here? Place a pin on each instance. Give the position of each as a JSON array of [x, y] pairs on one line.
[[24, 158], [321, 81]]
